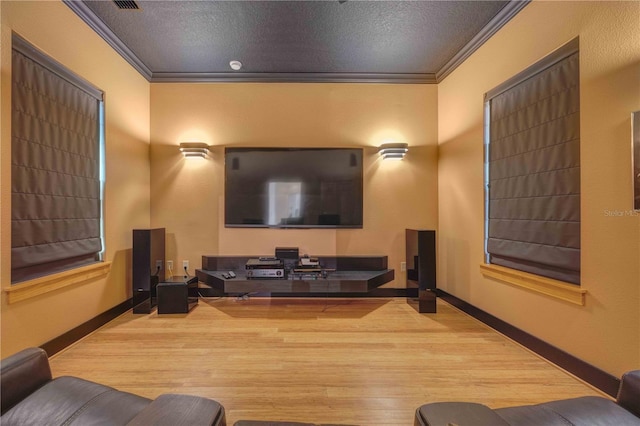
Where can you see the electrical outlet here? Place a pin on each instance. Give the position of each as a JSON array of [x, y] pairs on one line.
[[170, 264], [158, 264], [185, 265], [403, 266]]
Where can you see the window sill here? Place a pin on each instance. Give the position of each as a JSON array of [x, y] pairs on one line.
[[553, 288], [38, 286]]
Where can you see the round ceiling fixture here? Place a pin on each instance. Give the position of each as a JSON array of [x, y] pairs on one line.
[[235, 65]]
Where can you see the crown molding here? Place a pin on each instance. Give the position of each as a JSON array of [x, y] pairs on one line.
[[90, 18], [497, 22], [505, 14], [162, 77]]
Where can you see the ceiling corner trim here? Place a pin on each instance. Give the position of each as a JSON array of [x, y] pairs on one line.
[[169, 77], [504, 15], [87, 15]]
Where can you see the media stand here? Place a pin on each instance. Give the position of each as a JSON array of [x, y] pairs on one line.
[[344, 274]]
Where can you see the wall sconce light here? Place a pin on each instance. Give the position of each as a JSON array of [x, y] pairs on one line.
[[194, 149], [393, 151]]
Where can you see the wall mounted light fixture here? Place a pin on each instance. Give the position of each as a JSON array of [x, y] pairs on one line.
[[194, 149], [393, 151]]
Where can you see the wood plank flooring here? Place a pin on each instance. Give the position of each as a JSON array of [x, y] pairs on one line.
[[351, 361]]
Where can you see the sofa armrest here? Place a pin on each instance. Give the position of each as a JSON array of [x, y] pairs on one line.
[[629, 392], [457, 414], [180, 410], [22, 374]]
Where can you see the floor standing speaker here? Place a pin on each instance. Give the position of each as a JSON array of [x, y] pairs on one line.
[[421, 269], [148, 268]]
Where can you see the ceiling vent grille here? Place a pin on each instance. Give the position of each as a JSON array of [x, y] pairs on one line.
[[126, 4]]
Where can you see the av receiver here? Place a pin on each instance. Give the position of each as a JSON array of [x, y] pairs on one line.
[[265, 268], [265, 273]]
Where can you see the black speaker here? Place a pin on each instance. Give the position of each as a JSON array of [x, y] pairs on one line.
[[421, 269], [177, 295], [292, 253], [148, 268]]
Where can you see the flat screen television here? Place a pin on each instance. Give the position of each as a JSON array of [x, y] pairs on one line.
[[293, 187]]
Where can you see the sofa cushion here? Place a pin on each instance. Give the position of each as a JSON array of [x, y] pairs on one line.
[[531, 415], [457, 413], [280, 423], [629, 393], [21, 374], [588, 410], [180, 410], [269, 423], [74, 401]]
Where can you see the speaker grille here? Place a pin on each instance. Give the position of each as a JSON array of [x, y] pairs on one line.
[[126, 4]]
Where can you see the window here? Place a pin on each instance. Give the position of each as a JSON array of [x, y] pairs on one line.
[[56, 134], [532, 169]]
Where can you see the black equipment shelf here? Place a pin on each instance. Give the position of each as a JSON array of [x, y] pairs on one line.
[[336, 282], [342, 274]]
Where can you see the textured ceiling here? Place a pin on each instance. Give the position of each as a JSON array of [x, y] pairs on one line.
[[395, 41]]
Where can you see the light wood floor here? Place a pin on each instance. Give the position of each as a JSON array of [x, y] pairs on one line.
[[353, 361]]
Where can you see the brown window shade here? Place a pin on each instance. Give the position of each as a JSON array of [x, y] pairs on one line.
[[534, 169], [55, 167]]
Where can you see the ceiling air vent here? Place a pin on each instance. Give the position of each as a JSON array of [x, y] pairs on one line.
[[126, 4]]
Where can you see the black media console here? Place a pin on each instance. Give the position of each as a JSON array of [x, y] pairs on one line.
[[341, 274]]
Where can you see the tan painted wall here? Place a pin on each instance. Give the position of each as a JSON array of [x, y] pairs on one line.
[[187, 196], [605, 332], [441, 177], [55, 29]]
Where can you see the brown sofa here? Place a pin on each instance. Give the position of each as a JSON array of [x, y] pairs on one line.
[[30, 396], [588, 411]]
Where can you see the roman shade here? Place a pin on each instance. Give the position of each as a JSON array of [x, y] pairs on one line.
[[55, 166], [534, 169]]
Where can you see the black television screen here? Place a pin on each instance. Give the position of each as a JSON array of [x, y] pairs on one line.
[[293, 187]]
